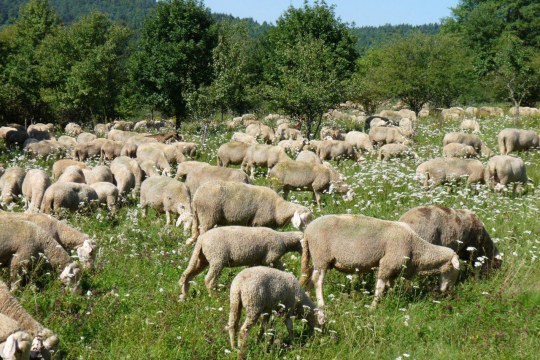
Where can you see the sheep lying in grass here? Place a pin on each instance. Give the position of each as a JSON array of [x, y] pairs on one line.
[[459, 151], [503, 170], [261, 290], [34, 186], [208, 173], [517, 140], [60, 166], [460, 230], [167, 195], [356, 244], [233, 246], [67, 195], [45, 341], [389, 151], [442, 170], [468, 139], [263, 155], [232, 153], [183, 169], [233, 203], [11, 183], [22, 240]]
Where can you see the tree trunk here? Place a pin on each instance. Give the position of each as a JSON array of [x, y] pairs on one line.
[[308, 126], [318, 125], [178, 117]]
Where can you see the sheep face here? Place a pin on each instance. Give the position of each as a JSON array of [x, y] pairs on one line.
[[301, 218], [86, 253], [16, 346], [184, 217], [44, 345], [448, 278], [70, 276]]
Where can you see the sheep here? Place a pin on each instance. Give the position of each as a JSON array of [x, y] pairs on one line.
[[283, 132], [208, 173], [517, 140], [45, 148], [23, 240], [101, 129], [359, 140], [387, 135], [67, 142], [60, 165], [129, 150], [187, 148], [34, 185], [167, 195], [183, 170], [263, 155], [334, 133], [299, 175], [45, 341], [468, 139], [67, 195], [122, 125], [107, 194], [72, 174], [88, 150], [4, 130], [156, 155], [459, 151], [233, 246], [309, 156], [356, 244], [166, 137], [16, 138], [245, 138], [85, 138], [337, 150], [232, 153], [503, 170], [262, 290], [11, 183], [148, 167], [457, 229], [40, 131], [293, 146], [127, 174], [261, 132], [111, 150], [68, 237], [390, 151], [101, 173], [17, 345], [442, 170], [73, 129], [172, 153], [121, 135], [470, 124], [233, 203]]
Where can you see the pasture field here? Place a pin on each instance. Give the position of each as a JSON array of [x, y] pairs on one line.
[[129, 304]]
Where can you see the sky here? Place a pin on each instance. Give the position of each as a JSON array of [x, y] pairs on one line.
[[361, 12]]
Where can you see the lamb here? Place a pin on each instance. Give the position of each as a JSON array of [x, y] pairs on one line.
[[459, 230], [101, 173], [387, 135], [517, 140], [442, 170], [232, 153], [73, 129], [470, 124], [233, 246], [107, 194], [85, 138], [504, 170], [459, 151], [23, 240], [337, 150], [127, 173], [72, 174], [299, 175], [60, 165], [262, 290], [167, 195], [359, 140], [333, 132], [468, 139], [356, 244], [263, 155], [34, 185], [183, 170], [309, 156], [67, 195], [261, 132], [208, 173], [233, 203], [11, 183], [45, 341], [245, 138], [389, 151]]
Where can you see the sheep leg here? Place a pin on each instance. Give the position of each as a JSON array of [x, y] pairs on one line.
[[286, 194], [211, 278], [379, 291], [168, 217], [18, 267], [319, 287], [190, 273], [251, 319], [289, 324], [264, 322], [317, 198], [144, 211]]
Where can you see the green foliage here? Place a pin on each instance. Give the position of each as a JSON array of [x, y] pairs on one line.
[[174, 55], [368, 87]]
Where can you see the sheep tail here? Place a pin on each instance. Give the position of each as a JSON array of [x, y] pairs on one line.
[[194, 226], [307, 270], [234, 313]]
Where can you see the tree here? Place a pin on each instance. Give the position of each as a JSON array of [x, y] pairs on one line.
[[366, 87], [174, 55]]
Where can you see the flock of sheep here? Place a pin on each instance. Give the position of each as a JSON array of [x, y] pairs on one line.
[[231, 220]]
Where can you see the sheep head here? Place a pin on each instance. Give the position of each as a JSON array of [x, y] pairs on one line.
[[185, 217], [301, 218], [44, 345], [71, 275], [449, 274], [87, 253], [16, 346]]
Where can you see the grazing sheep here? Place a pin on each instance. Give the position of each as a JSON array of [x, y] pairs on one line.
[[468, 139], [356, 244], [156, 155], [334, 133], [14, 344], [72, 174], [389, 151], [442, 170], [34, 185], [263, 155], [167, 195], [101, 173], [299, 175], [45, 148], [23, 240], [45, 341], [504, 170], [61, 165], [309, 156], [336, 150], [172, 153], [11, 183], [233, 203], [111, 150], [233, 246], [129, 150], [470, 124], [261, 290], [208, 173], [88, 150], [67, 195], [148, 167], [245, 138], [359, 140], [73, 129], [123, 169], [4, 130], [122, 125], [517, 140], [40, 131], [189, 149], [85, 138], [107, 194], [387, 135], [183, 170], [261, 132], [101, 129], [458, 150], [16, 138], [459, 230], [67, 142], [285, 132], [406, 127], [232, 153], [121, 135]]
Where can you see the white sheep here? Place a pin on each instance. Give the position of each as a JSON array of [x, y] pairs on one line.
[[11, 183], [72, 174], [156, 155], [183, 169], [61, 165], [101, 173], [470, 124], [17, 345], [127, 174], [208, 173], [261, 132], [34, 186], [390, 151], [308, 156], [233, 246], [107, 194], [503, 170], [67, 195], [263, 155], [356, 244], [468, 139], [232, 153], [459, 150], [359, 140], [517, 140], [245, 138], [337, 150], [442, 170]]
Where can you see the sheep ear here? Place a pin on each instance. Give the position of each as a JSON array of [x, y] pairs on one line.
[[10, 348], [455, 261], [296, 220]]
